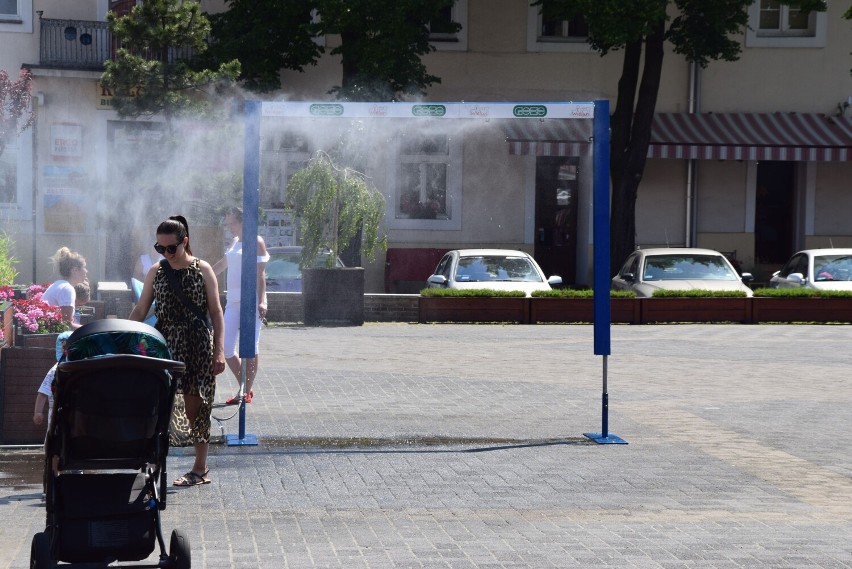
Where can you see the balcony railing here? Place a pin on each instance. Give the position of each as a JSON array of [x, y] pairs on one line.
[[83, 44], [76, 44]]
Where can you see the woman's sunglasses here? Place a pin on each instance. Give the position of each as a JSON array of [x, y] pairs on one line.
[[170, 249]]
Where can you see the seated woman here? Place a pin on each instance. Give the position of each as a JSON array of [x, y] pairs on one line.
[[71, 266]]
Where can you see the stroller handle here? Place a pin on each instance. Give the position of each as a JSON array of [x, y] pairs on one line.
[[174, 367]]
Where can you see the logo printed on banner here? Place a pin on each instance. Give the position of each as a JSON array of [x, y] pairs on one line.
[[581, 112], [378, 111], [428, 110], [329, 110], [529, 110], [479, 111]]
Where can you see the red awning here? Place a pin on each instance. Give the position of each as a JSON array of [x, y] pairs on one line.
[[751, 136]]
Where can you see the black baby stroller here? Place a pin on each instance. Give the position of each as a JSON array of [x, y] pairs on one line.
[[106, 449]]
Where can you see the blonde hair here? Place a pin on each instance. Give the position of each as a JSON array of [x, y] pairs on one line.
[[65, 260]]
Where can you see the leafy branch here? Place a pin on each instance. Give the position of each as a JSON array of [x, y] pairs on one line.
[[334, 204]]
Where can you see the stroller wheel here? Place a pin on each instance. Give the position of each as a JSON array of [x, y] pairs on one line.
[[179, 554], [40, 552]]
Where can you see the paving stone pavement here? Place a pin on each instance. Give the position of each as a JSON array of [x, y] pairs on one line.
[[400, 445]]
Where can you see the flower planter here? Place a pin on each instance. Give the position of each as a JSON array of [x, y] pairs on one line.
[[474, 309], [35, 340], [774, 309], [21, 373], [695, 309], [333, 297], [574, 310]]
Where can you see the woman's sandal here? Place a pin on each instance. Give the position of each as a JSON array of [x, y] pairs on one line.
[[193, 479]]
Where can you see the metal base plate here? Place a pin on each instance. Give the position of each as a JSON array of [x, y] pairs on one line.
[[235, 440], [610, 439]]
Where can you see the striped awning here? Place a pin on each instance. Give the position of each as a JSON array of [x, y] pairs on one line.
[[751, 136], [549, 137], [705, 136]]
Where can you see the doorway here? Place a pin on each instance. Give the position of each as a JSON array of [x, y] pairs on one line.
[[556, 194], [774, 217]]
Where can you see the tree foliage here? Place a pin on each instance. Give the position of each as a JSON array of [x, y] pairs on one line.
[[699, 30], [15, 104], [382, 42], [282, 27], [153, 72]]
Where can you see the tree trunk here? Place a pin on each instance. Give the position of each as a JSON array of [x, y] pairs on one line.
[[628, 166]]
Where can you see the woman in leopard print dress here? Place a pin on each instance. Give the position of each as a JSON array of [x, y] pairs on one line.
[[189, 339]]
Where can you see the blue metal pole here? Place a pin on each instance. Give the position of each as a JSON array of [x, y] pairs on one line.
[[600, 216], [601, 228], [248, 280]]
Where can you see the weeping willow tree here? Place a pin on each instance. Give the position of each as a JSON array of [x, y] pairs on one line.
[[333, 205]]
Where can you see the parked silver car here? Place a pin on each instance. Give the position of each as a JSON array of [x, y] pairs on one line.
[[647, 270], [495, 269], [821, 269], [282, 271]]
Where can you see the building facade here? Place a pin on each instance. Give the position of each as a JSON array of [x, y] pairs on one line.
[[751, 157]]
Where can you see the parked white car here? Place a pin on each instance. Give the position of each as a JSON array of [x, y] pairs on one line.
[[495, 269], [821, 269], [684, 268]]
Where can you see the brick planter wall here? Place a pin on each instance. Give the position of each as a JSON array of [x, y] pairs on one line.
[[288, 307], [21, 372]]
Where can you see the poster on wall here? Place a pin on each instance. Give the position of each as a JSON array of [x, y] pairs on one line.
[[278, 231], [66, 141], [64, 199]]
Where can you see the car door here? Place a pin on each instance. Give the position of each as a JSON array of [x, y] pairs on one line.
[[629, 273], [797, 264]]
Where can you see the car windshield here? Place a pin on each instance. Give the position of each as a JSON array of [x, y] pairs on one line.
[[284, 266], [494, 268], [833, 268], [687, 267]]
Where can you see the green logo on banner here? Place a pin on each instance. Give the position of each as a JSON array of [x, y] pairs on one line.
[[428, 110], [329, 110], [529, 110]]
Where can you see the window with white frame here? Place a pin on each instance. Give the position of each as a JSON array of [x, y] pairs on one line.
[[777, 19], [426, 178], [283, 155], [440, 29], [16, 16], [772, 24], [9, 8], [551, 32]]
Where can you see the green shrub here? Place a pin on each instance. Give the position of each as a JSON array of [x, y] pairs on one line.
[[664, 293], [7, 261], [801, 293], [580, 293], [468, 292]]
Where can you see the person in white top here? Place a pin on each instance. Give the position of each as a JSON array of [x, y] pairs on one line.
[[71, 266], [233, 262]]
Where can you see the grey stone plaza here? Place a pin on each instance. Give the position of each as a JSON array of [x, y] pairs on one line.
[[405, 445]]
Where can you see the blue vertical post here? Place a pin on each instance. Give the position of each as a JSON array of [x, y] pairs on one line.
[[248, 281], [601, 280]]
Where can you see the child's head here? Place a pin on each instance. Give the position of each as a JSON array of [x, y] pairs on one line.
[[83, 293], [61, 339]]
